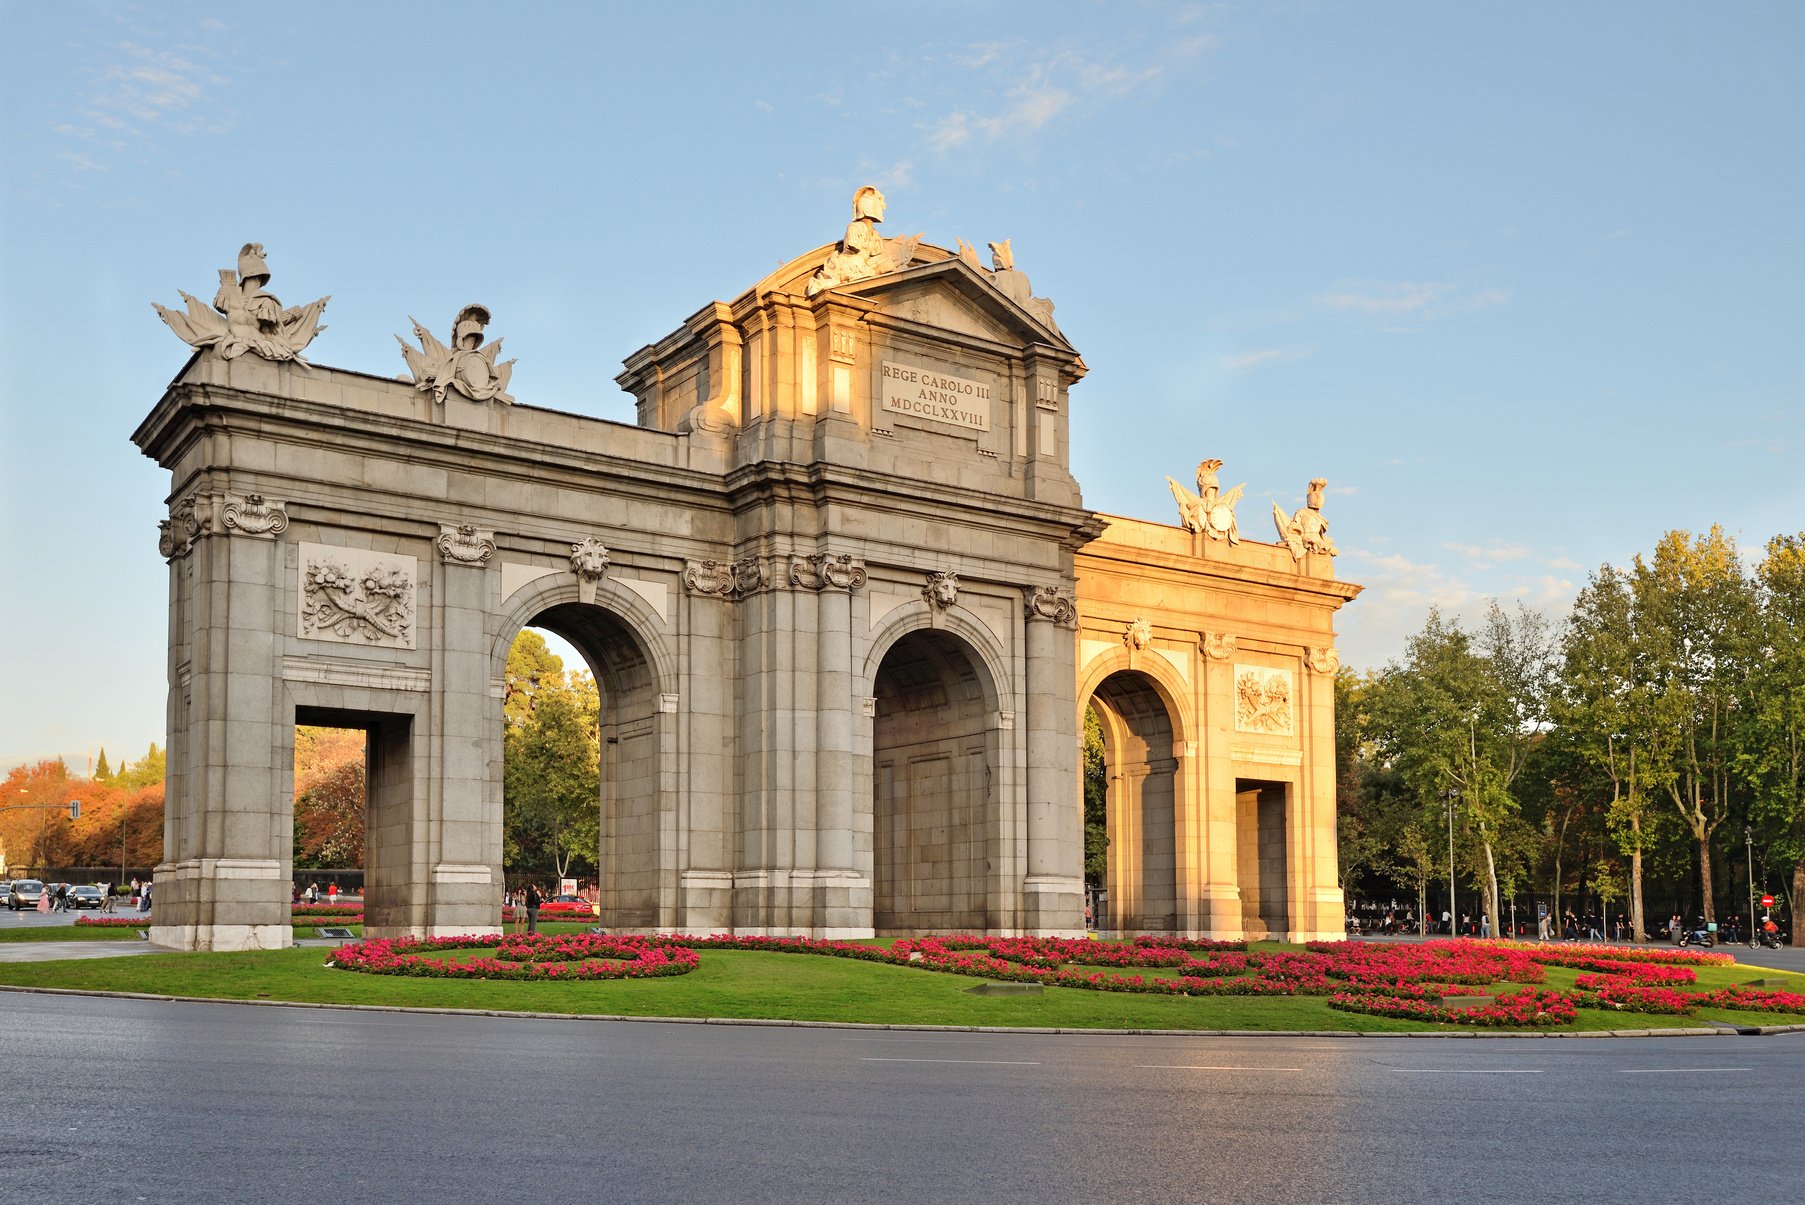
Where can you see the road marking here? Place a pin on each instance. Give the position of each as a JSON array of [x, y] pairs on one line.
[[1202, 1067], [997, 1062], [1463, 1071], [1679, 1070]]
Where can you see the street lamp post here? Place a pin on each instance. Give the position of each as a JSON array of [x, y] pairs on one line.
[[1748, 838], [1453, 912]]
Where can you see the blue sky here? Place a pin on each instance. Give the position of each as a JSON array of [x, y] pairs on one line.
[[1520, 279]]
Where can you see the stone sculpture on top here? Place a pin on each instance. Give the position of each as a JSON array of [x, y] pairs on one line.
[[1306, 530], [864, 253], [467, 366], [247, 318], [1208, 511]]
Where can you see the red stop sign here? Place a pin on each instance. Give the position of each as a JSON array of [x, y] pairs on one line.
[[1767, 901]]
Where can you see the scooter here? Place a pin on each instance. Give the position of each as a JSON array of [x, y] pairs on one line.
[[1762, 938], [1697, 936]]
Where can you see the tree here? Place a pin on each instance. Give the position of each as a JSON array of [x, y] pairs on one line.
[[102, 772], [329, 818], [329, 797], [1601, 709], [1096, 802], [551, 777], [1360, 822], [1771, 755], [532, 670], [1458, 719], [34, 830], [147, 771], [1696, 617], [552, 785]]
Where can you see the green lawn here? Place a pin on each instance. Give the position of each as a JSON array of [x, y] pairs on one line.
[[782, 987]]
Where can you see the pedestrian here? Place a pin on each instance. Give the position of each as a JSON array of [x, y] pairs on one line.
[[44, 895], [533, 900], [134, 891], [144, 896], [332, 892]]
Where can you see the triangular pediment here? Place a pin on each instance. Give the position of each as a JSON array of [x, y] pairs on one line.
[[952, 295]]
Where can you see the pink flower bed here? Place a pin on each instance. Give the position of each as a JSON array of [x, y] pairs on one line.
[[1395, 981], [1528, 1007], [575, 957]]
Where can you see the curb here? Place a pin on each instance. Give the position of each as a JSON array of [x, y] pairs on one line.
[[1728, 1031]]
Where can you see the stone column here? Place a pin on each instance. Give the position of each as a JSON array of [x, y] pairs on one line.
[[223, 884], [1219, 901], [463, 894], [1319, 908], [841, 897], [1053, 891]]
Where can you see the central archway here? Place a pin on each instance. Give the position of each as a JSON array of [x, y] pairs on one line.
[[629, 869], [934, 746]]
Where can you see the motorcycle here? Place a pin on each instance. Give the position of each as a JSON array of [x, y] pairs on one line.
[[1698, 935], [1763, 938]]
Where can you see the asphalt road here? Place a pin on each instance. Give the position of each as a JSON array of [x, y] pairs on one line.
[[140, 1100]]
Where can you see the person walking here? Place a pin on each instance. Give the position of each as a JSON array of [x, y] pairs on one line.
[[44, 899], [533, 900]]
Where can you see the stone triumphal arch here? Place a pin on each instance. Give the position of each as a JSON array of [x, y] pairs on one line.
[[843, 602]]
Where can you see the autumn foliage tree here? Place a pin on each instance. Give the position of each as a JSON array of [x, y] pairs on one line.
[[329, 797], [121, 820]]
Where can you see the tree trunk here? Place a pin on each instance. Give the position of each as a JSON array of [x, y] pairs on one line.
[[1638, 928], [1704, 877], [1798, 896], [1491, 886]]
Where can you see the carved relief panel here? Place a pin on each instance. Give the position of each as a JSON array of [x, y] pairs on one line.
[[351, 596], [1264, 700]]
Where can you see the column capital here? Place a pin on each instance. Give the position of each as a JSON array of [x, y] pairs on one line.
[[828, 571], [1049, 604]]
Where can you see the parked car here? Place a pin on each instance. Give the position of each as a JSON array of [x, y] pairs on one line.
[[86, 896], [24, 893]]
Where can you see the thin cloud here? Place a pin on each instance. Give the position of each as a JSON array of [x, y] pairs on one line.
[[1247, 361], [1492, 552], [142, 93], [1029, 91], [1402, 302]]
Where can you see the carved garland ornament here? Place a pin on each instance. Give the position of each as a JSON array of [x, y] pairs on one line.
[[1049, 604], [730, 580], [376, 605], [1263, 700], [1323, 661], [462, 544], [826, 570], [254, 516], [942, 589], [1218, 646]]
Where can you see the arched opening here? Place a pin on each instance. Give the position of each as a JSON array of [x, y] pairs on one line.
[[932, 749], [579, 772], [1141, 876]]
